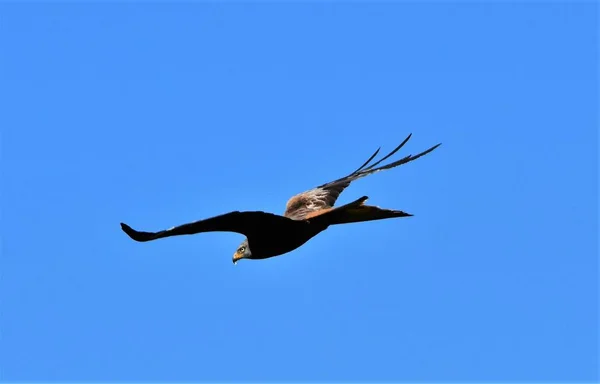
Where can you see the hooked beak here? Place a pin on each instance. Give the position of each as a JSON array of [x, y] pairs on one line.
[[235, 258]]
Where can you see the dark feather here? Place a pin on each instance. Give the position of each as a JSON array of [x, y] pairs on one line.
[[245, 223]]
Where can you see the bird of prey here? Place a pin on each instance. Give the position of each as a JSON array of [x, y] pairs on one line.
[[306, 215]]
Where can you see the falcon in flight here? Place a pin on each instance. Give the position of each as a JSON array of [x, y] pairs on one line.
[[306, 215]]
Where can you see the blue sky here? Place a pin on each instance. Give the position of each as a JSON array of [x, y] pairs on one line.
[[161, 114]]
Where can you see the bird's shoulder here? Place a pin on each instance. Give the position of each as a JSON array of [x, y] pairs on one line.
[[301, 205]]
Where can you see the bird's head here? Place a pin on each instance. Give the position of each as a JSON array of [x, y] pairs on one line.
[[242, 252]]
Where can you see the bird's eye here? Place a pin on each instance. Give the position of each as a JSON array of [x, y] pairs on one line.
[[241, 250]]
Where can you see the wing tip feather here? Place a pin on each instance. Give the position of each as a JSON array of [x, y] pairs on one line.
[[132, 233]]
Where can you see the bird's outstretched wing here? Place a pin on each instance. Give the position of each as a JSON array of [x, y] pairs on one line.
[[246, 223], [322, 198]]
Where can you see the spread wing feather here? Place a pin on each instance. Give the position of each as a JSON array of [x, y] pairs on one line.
[[324, 196], [245, 223]]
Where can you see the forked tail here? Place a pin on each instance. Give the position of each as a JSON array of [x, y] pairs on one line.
[[356, 212]]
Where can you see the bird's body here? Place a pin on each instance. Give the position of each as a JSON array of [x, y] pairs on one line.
[[282, 238], [306, 215]]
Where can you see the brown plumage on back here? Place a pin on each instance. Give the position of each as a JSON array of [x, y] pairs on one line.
[[306, 215]]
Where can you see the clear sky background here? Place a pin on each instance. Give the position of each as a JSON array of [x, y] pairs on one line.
[[161, 114]]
